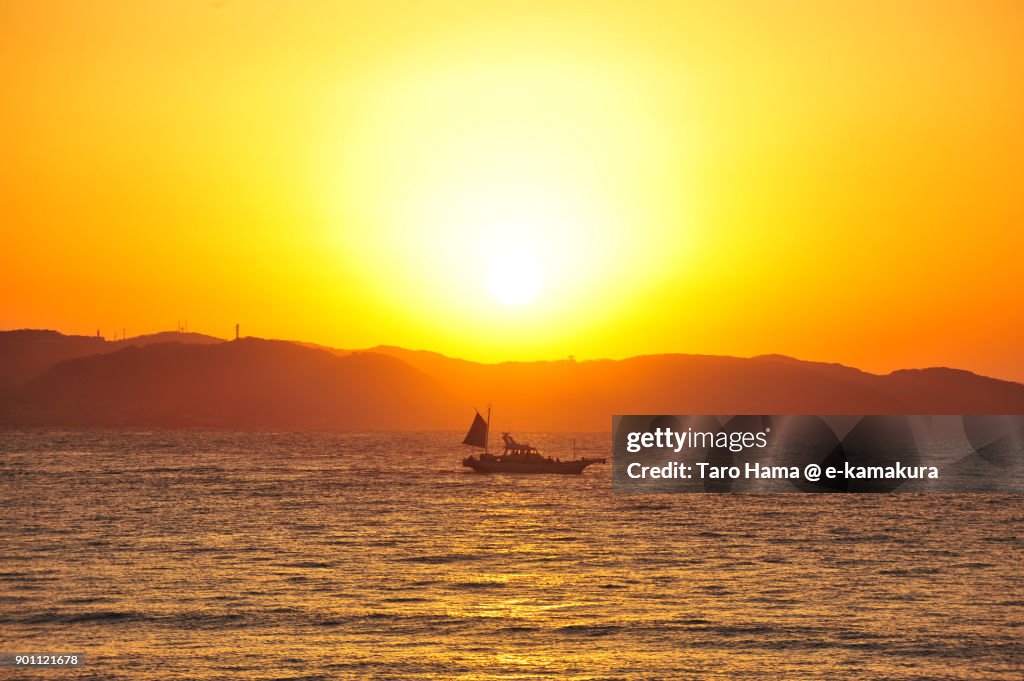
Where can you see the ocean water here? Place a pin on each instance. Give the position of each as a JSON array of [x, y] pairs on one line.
[[209, 555]]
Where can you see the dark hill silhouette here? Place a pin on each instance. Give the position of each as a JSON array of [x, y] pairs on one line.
[[249, 383], [189, 337], [550, 395], [258, 383], [25, 353]]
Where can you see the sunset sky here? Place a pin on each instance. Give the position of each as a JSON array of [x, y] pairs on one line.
[[839, 181]]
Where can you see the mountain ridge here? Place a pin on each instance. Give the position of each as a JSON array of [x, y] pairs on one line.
[[251, 383]]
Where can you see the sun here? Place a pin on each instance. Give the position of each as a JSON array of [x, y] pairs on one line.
[[514, 278]]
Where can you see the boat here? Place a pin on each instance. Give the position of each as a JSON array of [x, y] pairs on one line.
[[516, 457]]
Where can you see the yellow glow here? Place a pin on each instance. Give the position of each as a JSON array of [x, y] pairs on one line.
[[837, 181], [460, 164]]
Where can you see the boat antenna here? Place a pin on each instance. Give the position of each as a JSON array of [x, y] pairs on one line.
[[574, 449]]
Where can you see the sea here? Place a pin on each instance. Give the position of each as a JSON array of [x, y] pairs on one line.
[[165, 554]]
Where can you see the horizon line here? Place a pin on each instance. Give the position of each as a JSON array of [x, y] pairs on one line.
[[568, 358]]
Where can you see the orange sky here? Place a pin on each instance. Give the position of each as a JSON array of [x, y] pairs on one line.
[[838, 181]]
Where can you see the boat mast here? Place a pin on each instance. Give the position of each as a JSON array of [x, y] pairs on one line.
[[487, 431]]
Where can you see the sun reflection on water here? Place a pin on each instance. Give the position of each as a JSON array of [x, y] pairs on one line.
[[315, 554]]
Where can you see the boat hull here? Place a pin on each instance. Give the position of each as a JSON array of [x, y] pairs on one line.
[[573, 467]]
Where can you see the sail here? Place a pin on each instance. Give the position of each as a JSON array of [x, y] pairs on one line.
[[477, 435]]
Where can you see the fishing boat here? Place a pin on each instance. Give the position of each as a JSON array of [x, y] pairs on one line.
[[516, 457]]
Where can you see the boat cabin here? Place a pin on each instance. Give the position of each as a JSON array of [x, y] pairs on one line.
[[520, 448]]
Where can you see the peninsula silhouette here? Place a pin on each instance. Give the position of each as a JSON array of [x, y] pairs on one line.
[[191, 380]]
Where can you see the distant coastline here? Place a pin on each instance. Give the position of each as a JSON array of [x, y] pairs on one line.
[[191, 380]]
